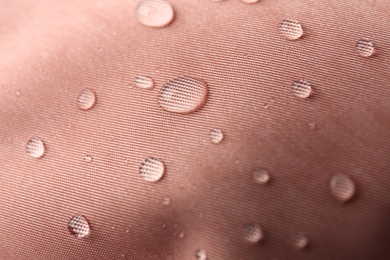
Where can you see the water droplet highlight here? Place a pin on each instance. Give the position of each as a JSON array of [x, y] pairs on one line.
[[252, 233], [261, 176], [365, 48], [152, 170], [291, 29], [300, 241], [183, 95], [79, 226], [302, 89], [181, 235], [155, 13], [144, 82], [342, 187], [201, 254], [35, 148], [166, 201], [250, 1], [86, 99], [216, 136], [312, 126], [88, 159]]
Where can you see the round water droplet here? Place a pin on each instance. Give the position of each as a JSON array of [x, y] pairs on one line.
[[86, 99], [201, 254], [144, 82], [252, 233], [35, 148], [291, 29], [300, 241], [342, 187], [216, 136], [181, 235], [155, 13], [261, 176], [152, 170], [183, 95], [365, 48], [79, 227], [302, 89], [88, 159], [250, 1], [166, 201]]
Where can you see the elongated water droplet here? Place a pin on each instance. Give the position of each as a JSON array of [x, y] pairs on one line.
[[35, 148], [261, 176], [342, 187], [144, 82], [252, 233], [302, 89], [155, 13], [250, 1], [79, 226], [216, 136], [300, 241], [291, 29], [86, 99], [152, 170], [201, 254], [365, 48], [183, 95]]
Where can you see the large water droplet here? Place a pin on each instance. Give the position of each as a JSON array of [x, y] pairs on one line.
[[365, 48], [152, 170], [216, 136], [300, 241], [250, 1], [342, 187], [144, 82], [291, 29], [86, 99], [79, 226], [183, 95], [252, 233], [302, 89], [155, 13], [261, 176], [201, 254], [35, 148]]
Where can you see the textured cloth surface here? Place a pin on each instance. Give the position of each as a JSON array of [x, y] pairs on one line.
[[90, 167]]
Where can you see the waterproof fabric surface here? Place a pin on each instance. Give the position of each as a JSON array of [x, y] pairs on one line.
[[218, 135]]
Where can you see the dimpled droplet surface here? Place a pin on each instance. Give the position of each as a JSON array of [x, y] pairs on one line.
[[201, 254], [291, 29], [365, 48], [79, 226], [144, 82], [302, 89], [252, 233], [261, 176], [152, 170], [35, 148], [155, 13], [86, 99], [300, 241], [183, 95], [216, 136], [342, 187]]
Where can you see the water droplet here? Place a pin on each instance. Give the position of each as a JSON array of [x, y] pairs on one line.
[[86, 99], [291, 29], [261, 176], [201, 254], [312, 126], [181, 235], [152, 170], [88, 159], [144, 82], [365, 48], [183, 95], [155, 13], [166, 201], [35, 148], [18, 93], [252, 233], [79, 226], [250, 1], [300, 241], [302, 89], [342, 187], [216, 136], [163, 225]]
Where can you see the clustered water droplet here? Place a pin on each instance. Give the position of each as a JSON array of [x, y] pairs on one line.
[[201, 254], [144, 82], [365, 48], [261, 176], [86, 99], [302, 89], [152, 170], [252, 233], [155, 13], [35, 148], [300, 241], [216, 136], [79, 226], [342, 187], [291, 29]]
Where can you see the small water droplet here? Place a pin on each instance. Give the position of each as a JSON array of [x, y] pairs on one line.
[[144, 82], [152, 170], [181, 235], [155, 13], [164, 225], [183, 95], [291, 29], [300, 241], [79, 226], [261, 176], [302, 89], [342, 187], [312, 126], [166, 201], [201, 254], [35, 147], [18, 93], [216, 136], [88, 159], [365, 48], [250, 1], [252, 233], [86, 99]]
